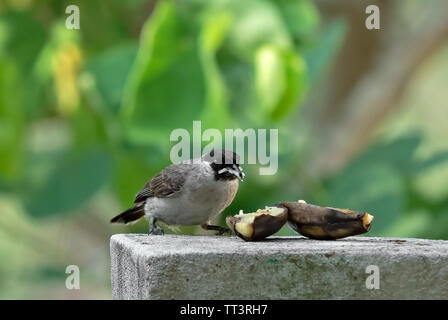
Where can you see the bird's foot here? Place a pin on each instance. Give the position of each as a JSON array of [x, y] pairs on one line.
[[153, 228], [224, 231], [221, 230], [156, 230]]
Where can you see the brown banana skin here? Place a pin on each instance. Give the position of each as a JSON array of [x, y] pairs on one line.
[[325, 223]]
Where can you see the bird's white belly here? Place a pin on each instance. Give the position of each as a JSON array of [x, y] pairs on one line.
[[196, 206]]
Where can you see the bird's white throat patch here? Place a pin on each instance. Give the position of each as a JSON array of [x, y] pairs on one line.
[[231, 171]]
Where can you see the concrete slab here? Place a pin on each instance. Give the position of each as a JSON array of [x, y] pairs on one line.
[[211, 267]]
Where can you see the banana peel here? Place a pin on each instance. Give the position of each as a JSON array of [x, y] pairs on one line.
[[258, 225], [326, 223], [312, 221]]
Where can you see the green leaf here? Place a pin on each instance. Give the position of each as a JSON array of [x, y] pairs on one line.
[[165, 89], [438, 228], [59, 38], [430, 177], [240, 80], [270, 76], [440, 158], [256, 22], [319, 56], [110, 70], [300, 16], [131, 173], [23, 37], [410, 225], [398, 153], [12, 121], [72, 184], [213, 32], [297, 83], [280, 81], [431, 181]]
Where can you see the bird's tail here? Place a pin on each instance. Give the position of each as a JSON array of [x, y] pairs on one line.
[[132, 214]]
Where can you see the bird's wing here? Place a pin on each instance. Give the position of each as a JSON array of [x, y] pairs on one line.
[[165, 184]]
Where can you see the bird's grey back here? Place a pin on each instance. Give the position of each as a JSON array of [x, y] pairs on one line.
[[166, 183]]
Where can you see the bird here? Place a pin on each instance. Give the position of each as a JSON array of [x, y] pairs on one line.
[[191, 192]]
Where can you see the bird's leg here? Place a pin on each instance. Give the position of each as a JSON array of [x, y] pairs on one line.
[[153, 228], [221, 230]]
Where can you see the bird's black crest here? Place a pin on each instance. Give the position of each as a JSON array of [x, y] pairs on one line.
[[222, 156]]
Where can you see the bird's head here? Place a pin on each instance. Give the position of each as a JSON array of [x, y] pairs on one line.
[[225, 164]]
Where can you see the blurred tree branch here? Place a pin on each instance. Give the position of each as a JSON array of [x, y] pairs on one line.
[[365, 89]]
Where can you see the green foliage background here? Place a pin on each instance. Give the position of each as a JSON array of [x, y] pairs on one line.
[[86, 115]]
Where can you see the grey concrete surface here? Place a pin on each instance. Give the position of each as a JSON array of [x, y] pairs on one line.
[[209, 267]]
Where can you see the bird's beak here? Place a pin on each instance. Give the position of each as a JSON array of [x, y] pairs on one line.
[[239, 172]]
